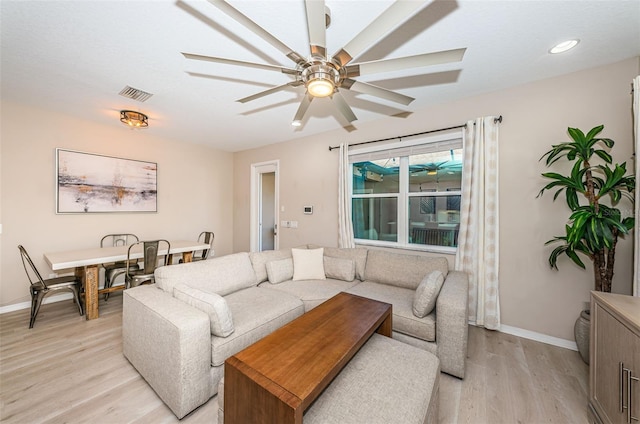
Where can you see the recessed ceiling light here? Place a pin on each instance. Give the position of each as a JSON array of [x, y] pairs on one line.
[[296, 123], [564, 46]]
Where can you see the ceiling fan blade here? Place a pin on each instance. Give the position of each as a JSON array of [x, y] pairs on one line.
[[417, 61], [302, 109], [269, 91], [317, 27], [374, 90], [344, 107], [214, 59], [257, 29], [395, 14]]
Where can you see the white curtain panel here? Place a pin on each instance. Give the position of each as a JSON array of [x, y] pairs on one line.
[[636, 233], [345, 226], [478, 248]]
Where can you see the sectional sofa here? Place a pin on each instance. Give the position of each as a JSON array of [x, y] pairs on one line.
[[178, 332]]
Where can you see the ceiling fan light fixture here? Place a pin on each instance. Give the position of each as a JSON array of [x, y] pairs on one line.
[[134, 119], [320, 79], [320, 87]]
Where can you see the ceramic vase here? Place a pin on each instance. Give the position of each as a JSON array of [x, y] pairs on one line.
[[582, 330]]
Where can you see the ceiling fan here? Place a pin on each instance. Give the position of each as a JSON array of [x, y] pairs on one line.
[[325, 75]]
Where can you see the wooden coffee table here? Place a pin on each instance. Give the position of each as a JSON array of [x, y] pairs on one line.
[[277, 378]]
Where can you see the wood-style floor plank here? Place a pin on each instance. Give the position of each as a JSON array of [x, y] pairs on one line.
[[69, 370]]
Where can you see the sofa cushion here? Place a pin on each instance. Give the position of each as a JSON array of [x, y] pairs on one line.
[[308, 264], [402, 270], [259, 261], [339, 268], [404, 321], [426, 294], [385, 382], [280, 270], [257, 312], [221, 275], [313, 292], [357, 254], [212, 304]]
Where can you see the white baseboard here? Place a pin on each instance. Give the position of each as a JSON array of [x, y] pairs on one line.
[[27, 305], [539, 337]]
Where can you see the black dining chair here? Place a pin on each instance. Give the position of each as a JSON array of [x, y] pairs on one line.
[[151, 250], [200, 255], [40, 287], [115, 269]]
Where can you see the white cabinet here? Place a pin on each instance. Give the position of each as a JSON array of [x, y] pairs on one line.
[[614, 376]]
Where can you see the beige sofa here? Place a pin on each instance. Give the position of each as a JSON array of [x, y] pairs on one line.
[[179, 346]]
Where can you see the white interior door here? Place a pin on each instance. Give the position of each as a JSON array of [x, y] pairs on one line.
[[264, 206], [267, 220]]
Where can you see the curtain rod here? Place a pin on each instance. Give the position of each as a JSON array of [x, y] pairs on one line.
[[496, 120]]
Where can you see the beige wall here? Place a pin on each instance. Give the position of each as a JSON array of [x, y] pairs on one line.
[[533, 297], [194, 193]]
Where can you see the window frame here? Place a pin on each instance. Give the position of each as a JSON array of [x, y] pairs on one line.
[[404, 193]]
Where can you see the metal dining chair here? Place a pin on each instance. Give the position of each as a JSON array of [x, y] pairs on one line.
[[40, 287], [151, 250], [200, 255], [113, 270]]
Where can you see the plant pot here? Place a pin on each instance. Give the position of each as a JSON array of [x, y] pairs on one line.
[[581, 331]]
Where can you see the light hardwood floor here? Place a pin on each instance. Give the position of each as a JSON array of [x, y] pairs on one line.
[[69, 370]]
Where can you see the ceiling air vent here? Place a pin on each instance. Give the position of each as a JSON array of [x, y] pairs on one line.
[[135, 94]]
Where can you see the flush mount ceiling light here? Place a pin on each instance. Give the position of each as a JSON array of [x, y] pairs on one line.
[[564, 46], [134, 119]]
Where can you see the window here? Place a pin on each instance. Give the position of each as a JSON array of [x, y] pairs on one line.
[[407, 194]]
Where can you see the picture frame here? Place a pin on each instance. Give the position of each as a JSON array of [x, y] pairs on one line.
[[94, 183]]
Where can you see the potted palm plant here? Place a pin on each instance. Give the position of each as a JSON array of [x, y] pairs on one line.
[[593, 227]]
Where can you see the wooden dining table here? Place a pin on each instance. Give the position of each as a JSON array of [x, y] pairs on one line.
[[87, 262]]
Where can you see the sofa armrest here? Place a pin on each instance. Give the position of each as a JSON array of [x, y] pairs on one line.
[[169, 343], [452, 331]]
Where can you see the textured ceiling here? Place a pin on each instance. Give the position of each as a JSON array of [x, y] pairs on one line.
[[76, 56]]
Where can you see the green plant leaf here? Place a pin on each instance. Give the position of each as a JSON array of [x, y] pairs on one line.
[[577, 135], [594, 132], [628, 223], [604, 156]]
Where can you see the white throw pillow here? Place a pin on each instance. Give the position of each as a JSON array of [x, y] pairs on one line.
[[426, 294], [308, 264], [280, 270], [210, 303], [339, 268]]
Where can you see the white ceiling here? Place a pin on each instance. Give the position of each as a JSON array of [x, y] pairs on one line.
[[75, 57]]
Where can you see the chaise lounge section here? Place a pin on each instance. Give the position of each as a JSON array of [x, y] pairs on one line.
[[178, 332]]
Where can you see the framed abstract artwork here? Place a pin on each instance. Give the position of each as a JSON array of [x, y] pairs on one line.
[[91, 183]]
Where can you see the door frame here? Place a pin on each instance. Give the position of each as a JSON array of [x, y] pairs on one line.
[[257, 169]]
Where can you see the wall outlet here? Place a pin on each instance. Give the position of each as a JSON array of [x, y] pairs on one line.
[[293, 224]]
